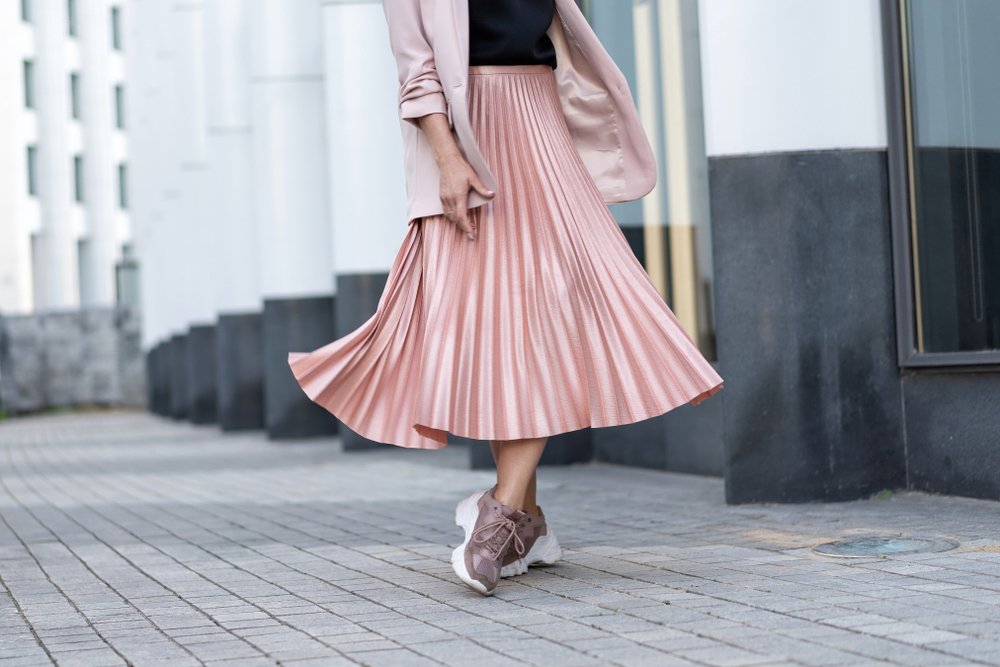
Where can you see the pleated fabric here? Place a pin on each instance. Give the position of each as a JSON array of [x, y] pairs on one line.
[[545, 323]]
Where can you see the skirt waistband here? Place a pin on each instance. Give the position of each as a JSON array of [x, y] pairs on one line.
[[509, 69]]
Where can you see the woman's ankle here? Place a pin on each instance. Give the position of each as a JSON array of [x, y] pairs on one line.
[[509, 497]]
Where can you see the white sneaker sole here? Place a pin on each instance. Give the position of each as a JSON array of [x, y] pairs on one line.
[[466, 514], [545, 551]]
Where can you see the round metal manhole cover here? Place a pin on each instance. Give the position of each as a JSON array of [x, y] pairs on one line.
[[863, 547]]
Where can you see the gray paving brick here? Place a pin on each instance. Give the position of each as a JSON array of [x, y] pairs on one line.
[[128, 537]]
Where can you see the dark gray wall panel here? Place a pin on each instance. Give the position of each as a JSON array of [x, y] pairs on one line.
[[202, 375], [178, 377], [358, 295], [686, 439], [806, 338], [240, 372], [163, 378], [693, 437], [953, 432], [150, 385], [639, 444], [158, 387], [294, 325]]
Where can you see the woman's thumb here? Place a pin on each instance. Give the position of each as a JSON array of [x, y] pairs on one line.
[[481, 188]]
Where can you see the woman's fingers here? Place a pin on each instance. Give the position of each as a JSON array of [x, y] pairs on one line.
[[480, 187], [456, 208], [462, 218], [458, 178]]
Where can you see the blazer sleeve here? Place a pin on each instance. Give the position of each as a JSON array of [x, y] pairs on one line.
[[420, 89]]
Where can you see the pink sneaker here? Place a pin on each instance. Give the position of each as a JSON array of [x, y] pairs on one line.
[[490, 533], [540, 546]]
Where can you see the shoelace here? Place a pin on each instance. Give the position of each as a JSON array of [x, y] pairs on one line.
[[493, 530]]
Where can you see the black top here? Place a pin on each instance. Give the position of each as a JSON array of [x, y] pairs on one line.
[[511, 32]]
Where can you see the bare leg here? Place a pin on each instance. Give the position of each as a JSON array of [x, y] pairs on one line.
[[516, 463], [530, 497]]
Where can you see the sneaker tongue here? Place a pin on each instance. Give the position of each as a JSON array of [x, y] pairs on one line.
[[513, 514], [507, 510]]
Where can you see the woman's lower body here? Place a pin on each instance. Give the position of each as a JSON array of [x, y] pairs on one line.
[[545, 323]]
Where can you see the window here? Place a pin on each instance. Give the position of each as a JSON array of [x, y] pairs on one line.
[[39, 275], [85, 265], [127, 276], [946, 179], [26, 11], [78, 177], [122, 185], [116, 28], [119, 106], [29, 84], [71, 17], [32, 153], [74, 94]]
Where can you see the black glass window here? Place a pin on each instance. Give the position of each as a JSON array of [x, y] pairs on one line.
[[29, 84], [74, 94], [32, 170], [122, 185], [78, 177], [116, 28], [71, 17], [952, 102], [119, 106]]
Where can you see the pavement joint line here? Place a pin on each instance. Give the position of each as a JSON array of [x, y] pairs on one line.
[[20, 611]]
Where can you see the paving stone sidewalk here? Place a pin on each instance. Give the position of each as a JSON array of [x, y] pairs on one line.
[[128, 539]]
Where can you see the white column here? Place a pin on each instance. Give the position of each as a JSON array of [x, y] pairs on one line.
[[289, 164], [152, 105], [56, 270], [367, 192], [230, 175], [103, 149], [197, 252]]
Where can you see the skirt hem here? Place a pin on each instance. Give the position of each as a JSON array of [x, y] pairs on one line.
[[433, 432]]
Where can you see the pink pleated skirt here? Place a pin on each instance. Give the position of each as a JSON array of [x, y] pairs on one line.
[[545, 323]]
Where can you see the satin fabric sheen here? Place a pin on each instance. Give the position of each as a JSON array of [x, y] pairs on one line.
[[545, 323]]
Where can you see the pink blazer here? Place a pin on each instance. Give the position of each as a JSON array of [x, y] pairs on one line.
[[430, 42]]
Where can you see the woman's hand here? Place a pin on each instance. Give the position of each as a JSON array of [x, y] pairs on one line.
[[457, 175]]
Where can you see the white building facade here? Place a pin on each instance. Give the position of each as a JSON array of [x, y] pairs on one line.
[[64, 221]]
